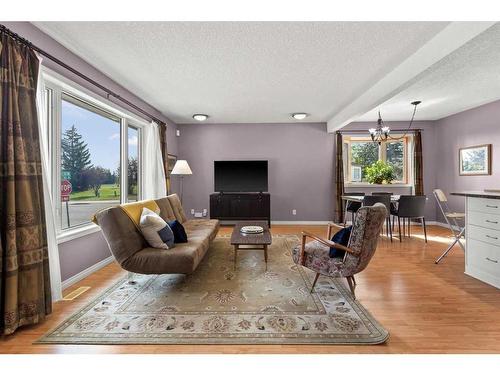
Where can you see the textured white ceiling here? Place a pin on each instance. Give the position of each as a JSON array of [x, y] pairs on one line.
[[466, 78], [244, 71]]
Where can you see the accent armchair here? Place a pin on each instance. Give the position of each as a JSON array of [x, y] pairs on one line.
[[360, 250]]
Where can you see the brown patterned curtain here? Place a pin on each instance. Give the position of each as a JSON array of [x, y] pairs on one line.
[[418, 164], [164, 154], [24, 266], [339, 179]]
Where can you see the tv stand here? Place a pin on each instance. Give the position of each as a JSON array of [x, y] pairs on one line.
[[240, 206]]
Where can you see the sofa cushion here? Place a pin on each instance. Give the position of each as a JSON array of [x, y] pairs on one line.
[[122, 236], [166, 211], [176, 205], [183, 258]]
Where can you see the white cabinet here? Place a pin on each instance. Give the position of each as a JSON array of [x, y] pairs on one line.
[[482, 256]]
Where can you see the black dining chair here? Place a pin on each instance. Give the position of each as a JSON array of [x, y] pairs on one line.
[[370, 200], [410, 207], [394, 205], [352, 207]]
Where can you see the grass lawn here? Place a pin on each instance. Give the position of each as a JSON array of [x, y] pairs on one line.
[[106, 193]]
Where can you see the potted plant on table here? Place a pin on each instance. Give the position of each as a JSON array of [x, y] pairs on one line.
[[380, 173]]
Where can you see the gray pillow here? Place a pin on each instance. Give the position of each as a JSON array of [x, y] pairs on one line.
[[155, 230]]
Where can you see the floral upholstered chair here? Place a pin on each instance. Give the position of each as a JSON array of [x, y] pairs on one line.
[[361, 247]]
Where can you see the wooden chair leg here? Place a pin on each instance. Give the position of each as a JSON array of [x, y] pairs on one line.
[[425, 229], [351, 285], [314, 282], [409, 231]]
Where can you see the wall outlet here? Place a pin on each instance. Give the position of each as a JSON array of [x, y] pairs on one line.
[[205, 212], [198, 214], [178, 133], [294, 212], [192, 211]]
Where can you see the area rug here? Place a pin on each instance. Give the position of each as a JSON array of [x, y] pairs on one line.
[[221, 304]]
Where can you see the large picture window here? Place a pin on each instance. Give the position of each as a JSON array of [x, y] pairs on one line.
[[362, 152], [91, 142], [90, 160]]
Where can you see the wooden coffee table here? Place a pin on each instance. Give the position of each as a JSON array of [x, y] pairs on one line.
[[242, 241]]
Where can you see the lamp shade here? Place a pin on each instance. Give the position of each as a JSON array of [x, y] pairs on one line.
[[181, 167]]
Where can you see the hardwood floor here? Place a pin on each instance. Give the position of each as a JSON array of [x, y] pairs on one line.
[[427, 308]]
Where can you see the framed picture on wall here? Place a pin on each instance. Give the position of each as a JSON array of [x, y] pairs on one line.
[[171, 159], [474, 160]]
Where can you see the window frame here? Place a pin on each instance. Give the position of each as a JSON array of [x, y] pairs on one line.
[[140, 137], [382, 155], [61, 87]]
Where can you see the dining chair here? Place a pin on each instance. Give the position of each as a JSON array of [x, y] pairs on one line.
[[393, 204], [410, 207], [371, 200], [452, 219], [352, 207]]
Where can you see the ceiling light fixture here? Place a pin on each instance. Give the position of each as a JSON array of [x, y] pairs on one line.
[[299, 115], [381, 132], [200, 117]]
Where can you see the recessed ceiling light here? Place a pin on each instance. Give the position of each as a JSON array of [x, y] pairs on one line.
[[200, 117], [299, 116]]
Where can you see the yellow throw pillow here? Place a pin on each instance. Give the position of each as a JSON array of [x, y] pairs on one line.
[[134, 210]]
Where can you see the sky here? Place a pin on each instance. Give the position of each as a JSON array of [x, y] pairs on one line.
[[101, 134]]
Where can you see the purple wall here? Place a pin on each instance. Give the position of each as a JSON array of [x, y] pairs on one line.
[[79, 254], [480, 125], [429, 152], [300, 164]]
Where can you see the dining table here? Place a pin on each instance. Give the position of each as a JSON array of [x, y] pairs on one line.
[[359, 198]]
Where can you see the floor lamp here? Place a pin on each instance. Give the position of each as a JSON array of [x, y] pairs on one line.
[[181, 168]]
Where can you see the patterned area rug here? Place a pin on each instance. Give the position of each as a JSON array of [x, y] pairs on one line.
[[222, 305]]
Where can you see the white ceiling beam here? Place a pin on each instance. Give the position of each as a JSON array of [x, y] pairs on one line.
[[452, 37]]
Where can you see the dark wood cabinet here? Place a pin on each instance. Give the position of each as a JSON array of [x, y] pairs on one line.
[[240, 206]]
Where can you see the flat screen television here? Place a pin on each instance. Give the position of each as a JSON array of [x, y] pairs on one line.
[[240, 176]]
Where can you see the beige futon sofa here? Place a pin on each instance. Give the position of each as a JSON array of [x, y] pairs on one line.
[[132, 252]]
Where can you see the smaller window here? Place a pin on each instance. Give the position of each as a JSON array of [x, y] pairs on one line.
[[361, 152]]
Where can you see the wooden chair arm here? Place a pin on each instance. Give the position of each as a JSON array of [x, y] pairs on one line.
[[324, 242], [330, 227]]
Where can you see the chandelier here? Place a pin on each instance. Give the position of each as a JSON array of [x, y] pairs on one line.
[[382, 132]]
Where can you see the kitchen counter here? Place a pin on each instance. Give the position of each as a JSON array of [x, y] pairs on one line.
[[482, 234], [479, 194]]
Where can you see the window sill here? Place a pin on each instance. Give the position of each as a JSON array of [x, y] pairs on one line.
[[73, 234], [385, 186]]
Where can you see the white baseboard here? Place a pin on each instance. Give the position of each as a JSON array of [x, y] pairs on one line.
[[86, 272]]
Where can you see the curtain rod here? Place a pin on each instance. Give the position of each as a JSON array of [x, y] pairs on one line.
[[366, 131], [109, 92]]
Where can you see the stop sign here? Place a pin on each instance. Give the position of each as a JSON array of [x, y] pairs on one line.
[[66, 188]]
